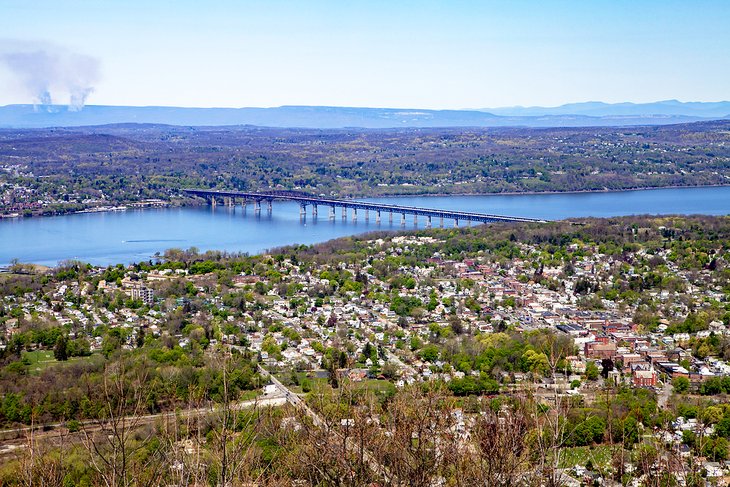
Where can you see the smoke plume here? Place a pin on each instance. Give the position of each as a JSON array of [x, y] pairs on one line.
[[50, 73]]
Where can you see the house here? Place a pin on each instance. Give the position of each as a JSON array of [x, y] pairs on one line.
[[713, 469]]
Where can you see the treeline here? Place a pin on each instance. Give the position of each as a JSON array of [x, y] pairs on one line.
[[76, 390]]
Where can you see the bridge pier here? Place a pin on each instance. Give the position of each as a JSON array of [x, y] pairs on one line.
[[354, 214], [302, 210], [377, 217], [428, 222], [231, 198], [403, 219], [270, 206]]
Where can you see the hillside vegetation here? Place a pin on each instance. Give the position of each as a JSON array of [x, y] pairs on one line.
[[69, 169]]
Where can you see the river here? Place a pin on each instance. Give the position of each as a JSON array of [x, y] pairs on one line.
[[134, 235]]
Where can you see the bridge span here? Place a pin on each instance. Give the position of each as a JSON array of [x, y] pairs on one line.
[[304, 199]]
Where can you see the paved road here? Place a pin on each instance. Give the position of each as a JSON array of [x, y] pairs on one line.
[[399, 363]]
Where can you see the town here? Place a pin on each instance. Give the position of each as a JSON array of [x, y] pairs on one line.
[[562, 313]]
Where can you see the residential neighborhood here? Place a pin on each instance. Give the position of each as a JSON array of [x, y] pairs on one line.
[[403, 315]]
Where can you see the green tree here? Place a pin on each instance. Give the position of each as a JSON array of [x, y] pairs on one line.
[[680, 385], [60, 350], [591, 371], [429, 353]]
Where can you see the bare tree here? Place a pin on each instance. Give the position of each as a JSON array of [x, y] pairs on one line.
[[499, 452], [36, 467], [332, 450], [420, 436], [117, 434]]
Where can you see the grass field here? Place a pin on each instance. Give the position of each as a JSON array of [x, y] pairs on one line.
[[39, 360], [249, 395], [301, 379], [599, 456]]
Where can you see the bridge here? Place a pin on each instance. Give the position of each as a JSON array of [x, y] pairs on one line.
[[229, 198]]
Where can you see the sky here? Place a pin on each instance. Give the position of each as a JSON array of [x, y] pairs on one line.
[[447, 54]]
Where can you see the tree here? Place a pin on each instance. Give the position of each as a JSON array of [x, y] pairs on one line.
[[456, 325], [537, 362], [501, 452], [60, 350], [390, 371], [722, 428], [591, 371], [140, 338], [429, 353], [680, 385], [606, 367], [116, 436]]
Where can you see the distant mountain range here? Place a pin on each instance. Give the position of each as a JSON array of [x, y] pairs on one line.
[[572, 115], [715, 110]]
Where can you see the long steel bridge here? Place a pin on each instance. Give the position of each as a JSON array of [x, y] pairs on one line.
[[304, 199]]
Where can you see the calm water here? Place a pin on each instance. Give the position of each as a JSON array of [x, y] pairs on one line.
[[109, 238]]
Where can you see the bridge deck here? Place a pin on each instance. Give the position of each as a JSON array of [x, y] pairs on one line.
[[305, 199]]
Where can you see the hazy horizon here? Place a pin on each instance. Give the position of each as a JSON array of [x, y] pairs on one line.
[[425, 54], [386, 107]]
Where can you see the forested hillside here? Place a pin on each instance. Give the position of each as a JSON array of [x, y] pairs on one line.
[[73, 168]]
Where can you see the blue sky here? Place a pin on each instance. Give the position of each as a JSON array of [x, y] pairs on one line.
[[427, 54]]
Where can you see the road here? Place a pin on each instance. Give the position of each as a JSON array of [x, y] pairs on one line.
[[399, 363], [664, 395], [296, 401]]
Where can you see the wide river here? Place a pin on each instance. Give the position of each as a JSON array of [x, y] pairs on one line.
[[134, 235]]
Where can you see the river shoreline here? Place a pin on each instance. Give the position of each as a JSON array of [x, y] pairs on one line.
[[108, 238], [169, 204], [537, 193]]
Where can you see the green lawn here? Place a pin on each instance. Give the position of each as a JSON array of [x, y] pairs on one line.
[[285, 378], [39, 359], [249, 395], [42, 359], [379, 386], [599, 455]]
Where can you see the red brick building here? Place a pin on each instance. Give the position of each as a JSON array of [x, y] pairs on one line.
[[644, 378]]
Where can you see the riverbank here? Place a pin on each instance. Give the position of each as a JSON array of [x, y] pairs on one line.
[[535, 193], [194, 202], [129, 236], [95, 209]]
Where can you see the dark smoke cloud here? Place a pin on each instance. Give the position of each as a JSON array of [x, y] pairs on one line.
[[47, 70]]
